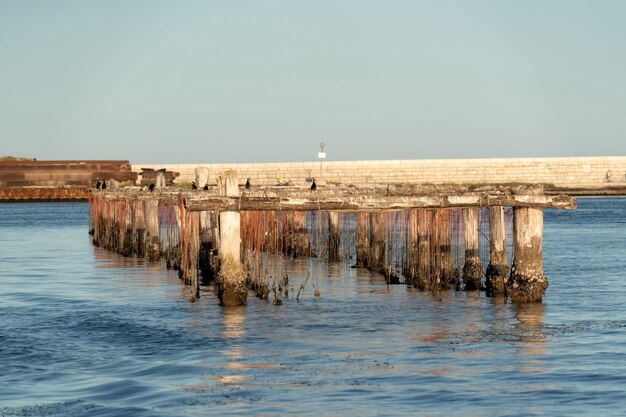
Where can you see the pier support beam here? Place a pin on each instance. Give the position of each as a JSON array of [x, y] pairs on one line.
[[447, 272], [153, 249], [527, 283], [231, 278], [108, 225], [377, 242], [189, 248], [498, 270], [362, 244], [411, 263], [140, 229], [207, 258], [472, 270], [333, 236], [128, 248], [300, 234], [97, 220], [124, 227], [173, 252], [295, 234], [423, 278]]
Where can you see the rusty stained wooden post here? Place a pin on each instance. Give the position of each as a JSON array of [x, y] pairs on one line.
[[118, 237], [333, 236], [295, 234], [121, 211], [286, 218], [300, 234], [527, 283], [472, 270], [140, 229], [377, 241], [424, 221], [443, 256], [174, 248], [129, 229], [215, 229], [194, 252], [105, 234], [153, 247], [232, 289], [189, 248], [271, 234], [97, 220], [110, 225], [115, 226], [362, 240], [411, 261], [498, 270], [208, 256]]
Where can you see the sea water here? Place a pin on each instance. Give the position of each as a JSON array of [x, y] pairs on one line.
[[85, 332]]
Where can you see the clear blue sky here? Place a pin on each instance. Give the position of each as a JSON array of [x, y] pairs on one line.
[[261, 81]]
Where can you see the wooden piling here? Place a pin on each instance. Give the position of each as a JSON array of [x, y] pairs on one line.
[[295, 234], [153, 247], [411, 262], [270, 232], [377, 241], [231, 278], [115, 229], [96, 212], [140, 229], [423, 278], [472, 270], [106, 232], [333, 236], [287, 232], [498, 270], [120, 218], [362, 240], [527, 282], [207, 258], [189, 249], [173, 253], [128, 248], [443, 257], [300, 234]]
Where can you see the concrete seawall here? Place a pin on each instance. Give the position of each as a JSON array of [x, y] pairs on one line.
[[583, 172]]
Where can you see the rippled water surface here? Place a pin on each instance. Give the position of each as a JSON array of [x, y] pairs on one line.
[[84, 332]]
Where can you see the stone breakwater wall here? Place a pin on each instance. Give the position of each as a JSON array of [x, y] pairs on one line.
[[561, 172]]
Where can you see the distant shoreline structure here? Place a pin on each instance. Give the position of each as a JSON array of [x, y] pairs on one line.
[[23, 179], [583, 173]]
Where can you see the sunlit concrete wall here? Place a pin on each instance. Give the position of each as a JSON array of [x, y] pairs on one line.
[[573, 171]]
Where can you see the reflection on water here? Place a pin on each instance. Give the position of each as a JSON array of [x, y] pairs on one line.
[[531, 327], [233, 320], [233, 329]]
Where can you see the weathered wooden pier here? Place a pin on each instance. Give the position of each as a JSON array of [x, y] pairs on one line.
[[423, 236]]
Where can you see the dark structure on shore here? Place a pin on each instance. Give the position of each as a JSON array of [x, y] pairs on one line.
[[63, 173], [31, 180]]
